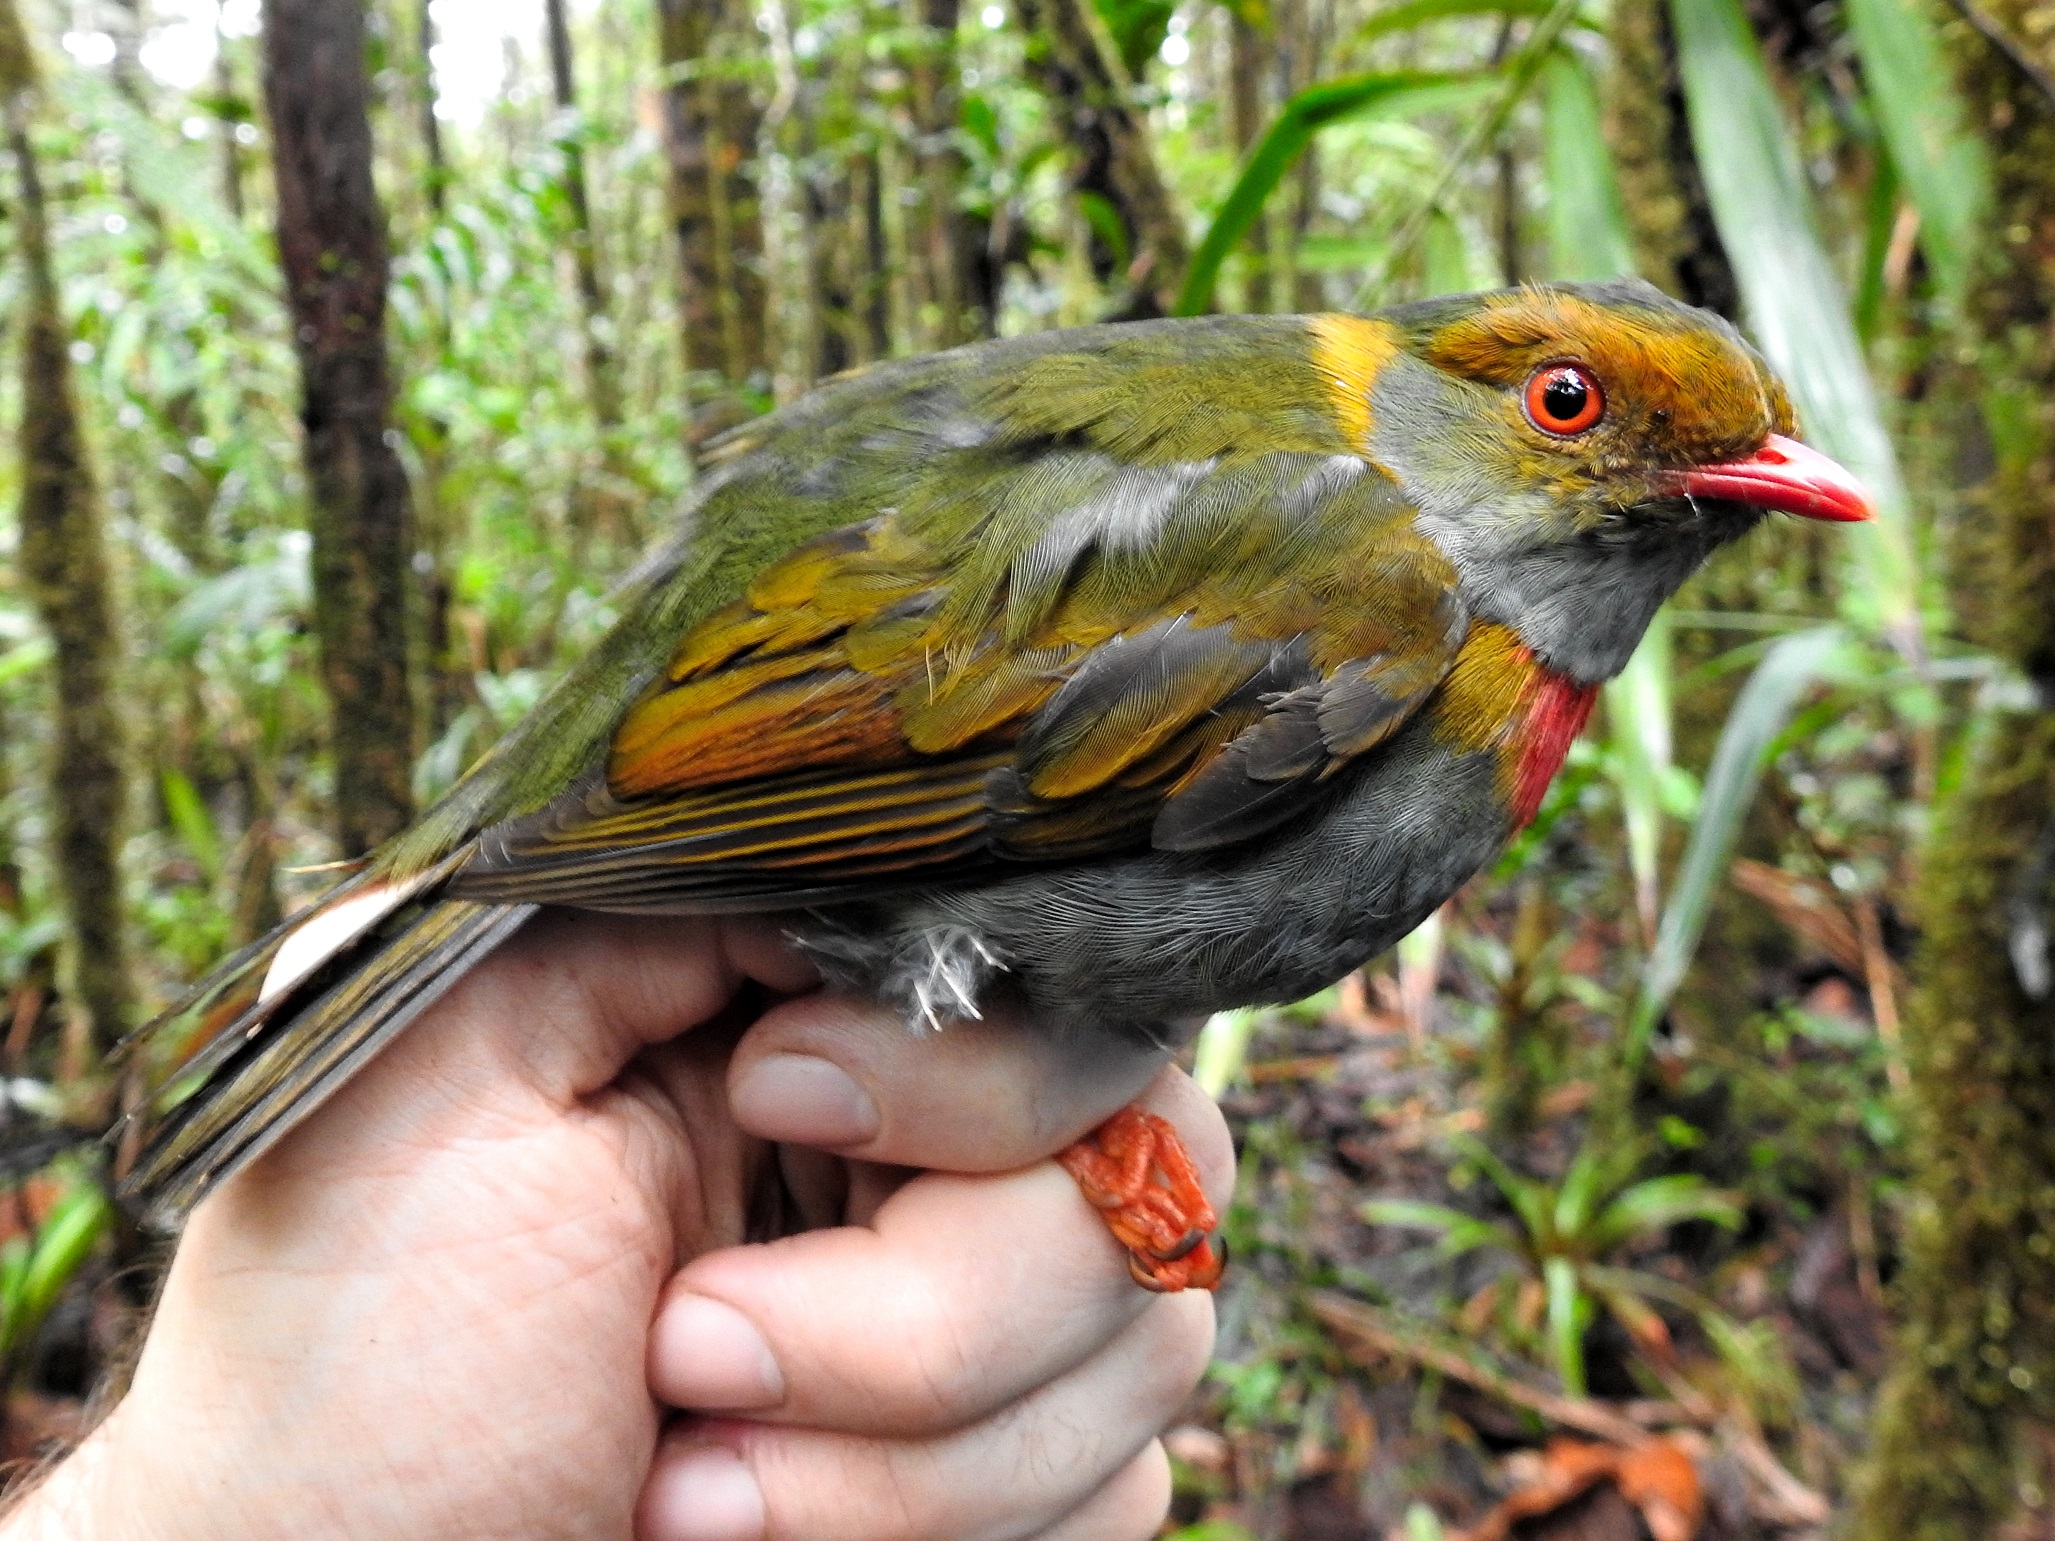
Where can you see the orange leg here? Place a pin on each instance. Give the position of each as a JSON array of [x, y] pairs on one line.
[[1134, 1170]]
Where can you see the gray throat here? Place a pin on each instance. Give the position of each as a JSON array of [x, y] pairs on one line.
[[1583, 604]]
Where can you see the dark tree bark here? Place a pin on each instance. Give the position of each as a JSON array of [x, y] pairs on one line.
[[602, 371], [231, 151], [331, 244], [1113, 158], [1676, 244], [1972, 1390], [424, 96], [63, 564], [955, 281], [871, 332], [1304, 31], [710, 131], [1249, 61]]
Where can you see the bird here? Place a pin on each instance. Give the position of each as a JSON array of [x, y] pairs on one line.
[[1126, 673]]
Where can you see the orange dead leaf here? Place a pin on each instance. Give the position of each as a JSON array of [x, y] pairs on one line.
[[1657, 1478], [1661, 1481]]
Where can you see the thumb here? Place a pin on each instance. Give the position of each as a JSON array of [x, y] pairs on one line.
[[984, 1096]]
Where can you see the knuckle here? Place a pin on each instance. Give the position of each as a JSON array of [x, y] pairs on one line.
[[848, 1490], [1144, 1490], [1130, 1507], [936, 1368]]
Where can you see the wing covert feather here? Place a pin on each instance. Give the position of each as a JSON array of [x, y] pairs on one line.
[[1179, 654]]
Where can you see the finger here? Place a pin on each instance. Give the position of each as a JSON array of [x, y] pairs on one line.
[[964, 1294], [1131, 1507], [984, 1096], [576, 995], [1032, 1466]]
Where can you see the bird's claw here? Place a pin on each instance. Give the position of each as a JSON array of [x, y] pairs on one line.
[[1134, 1170]]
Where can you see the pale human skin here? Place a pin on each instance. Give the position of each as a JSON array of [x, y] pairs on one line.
[[462, 1300]]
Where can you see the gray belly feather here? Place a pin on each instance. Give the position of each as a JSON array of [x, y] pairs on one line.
[[1144, 941]]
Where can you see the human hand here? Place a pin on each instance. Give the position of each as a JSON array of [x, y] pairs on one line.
[[429, 1312]]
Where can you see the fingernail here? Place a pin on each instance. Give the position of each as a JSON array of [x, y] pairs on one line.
[[709, 1356], [804, 1100], [703, 1494]]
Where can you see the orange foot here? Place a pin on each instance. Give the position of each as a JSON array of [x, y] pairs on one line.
[[1136, 1173]]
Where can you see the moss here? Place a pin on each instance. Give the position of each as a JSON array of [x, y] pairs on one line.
[[64, 568], [1676, 245], [1974, 1369]]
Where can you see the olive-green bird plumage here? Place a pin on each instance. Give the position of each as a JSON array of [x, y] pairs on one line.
[[1134, 671]]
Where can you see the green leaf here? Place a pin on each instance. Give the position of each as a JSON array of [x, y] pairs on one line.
[[1272, 156], [1104, 219], [1533, 1202], [1445, 259], [25, 658], [1658, 1203], [1790, 666], [1591, 1173], [1422, 1524], [1568, 1313], [1222, 1051], [1588, 234], [1138, 28], [1514, 78], [1756, 186], [1880, 222], [191, 820], [1944, 168], [1419, 13], [1460, 1233], [14, 1269], [63, 1243], [1638, 714]]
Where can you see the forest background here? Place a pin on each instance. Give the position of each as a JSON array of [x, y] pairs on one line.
[[1693, 1174]]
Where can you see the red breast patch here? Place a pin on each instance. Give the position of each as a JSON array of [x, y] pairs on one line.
[[1556, 710]]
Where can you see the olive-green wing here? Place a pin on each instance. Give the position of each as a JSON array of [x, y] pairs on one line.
[[1178, 655]]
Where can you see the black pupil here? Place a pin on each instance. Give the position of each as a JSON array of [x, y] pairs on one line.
[[1564, 396]]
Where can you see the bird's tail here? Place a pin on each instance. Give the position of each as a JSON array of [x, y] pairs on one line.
[[264, 1039]]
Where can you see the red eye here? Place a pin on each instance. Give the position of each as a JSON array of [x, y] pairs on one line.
[[1564, 399]]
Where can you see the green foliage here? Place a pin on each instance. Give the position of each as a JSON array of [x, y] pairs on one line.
[[1410, 15], [35, 1269], [1588, 233], [1562, 1233], [1795, 304], [1286, 139], [1792, 666], [1941, 163]]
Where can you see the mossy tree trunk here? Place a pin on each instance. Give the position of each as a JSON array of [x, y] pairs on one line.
[[436, 171], [602, 370], [63, 564], [1676, 244], [711, 120], [956, 284], [331, 245], [1974, 1371], [1249, 64]]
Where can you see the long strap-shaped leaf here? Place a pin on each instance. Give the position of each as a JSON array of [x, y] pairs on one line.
[[1315, 108], [1756, 186], [1412, 14], [1943, 166], [1791, 666]]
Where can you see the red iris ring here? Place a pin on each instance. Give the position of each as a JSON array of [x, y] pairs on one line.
[[1563, 399]]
